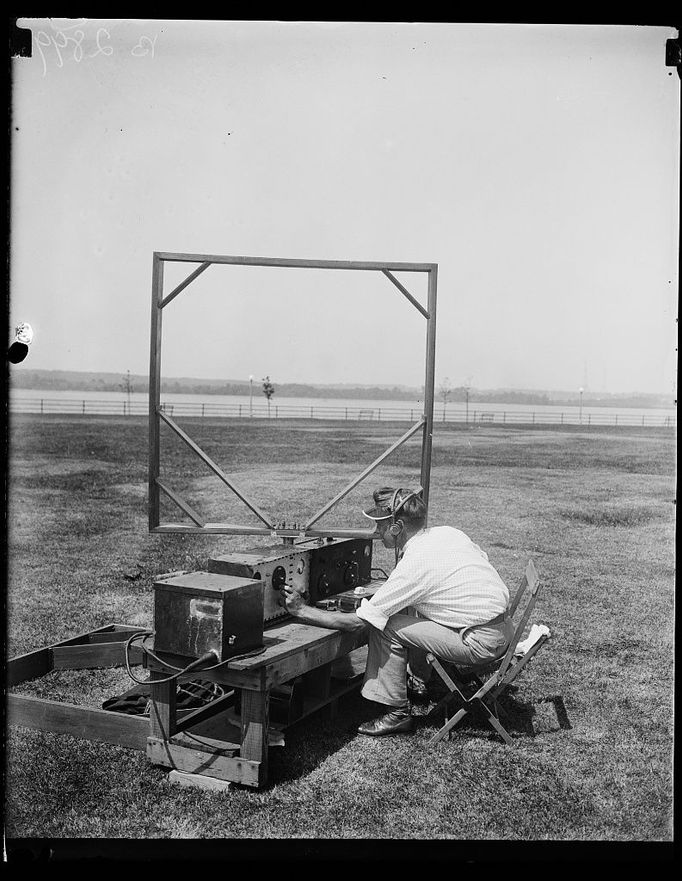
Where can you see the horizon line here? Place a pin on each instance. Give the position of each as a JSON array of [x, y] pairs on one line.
[[380, 385]]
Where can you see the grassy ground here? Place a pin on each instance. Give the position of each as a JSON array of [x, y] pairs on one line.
[[592, 718]]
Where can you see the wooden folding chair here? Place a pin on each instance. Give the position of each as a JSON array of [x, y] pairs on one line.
[[490, 680]]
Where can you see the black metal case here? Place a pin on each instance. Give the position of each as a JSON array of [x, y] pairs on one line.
[[339, 566], [201, 611]]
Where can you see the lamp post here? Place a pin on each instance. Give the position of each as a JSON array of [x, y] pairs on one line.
[[581, 405], [467, 387], [251, 396], [127, 387]]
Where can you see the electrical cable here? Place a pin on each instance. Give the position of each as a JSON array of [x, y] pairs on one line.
[[180, 671]]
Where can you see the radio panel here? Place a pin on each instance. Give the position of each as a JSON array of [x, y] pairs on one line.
[[317, 568], [338, 567]]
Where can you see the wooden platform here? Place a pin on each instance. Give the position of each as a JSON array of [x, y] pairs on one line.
[[214, 741], [292, 650]]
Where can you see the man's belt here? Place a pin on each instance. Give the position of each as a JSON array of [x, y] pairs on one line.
[[498, 619]]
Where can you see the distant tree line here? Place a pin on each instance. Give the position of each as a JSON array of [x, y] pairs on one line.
[[69, 380], [66, 380]]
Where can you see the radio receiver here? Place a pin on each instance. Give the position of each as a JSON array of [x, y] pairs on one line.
[[317, 569]]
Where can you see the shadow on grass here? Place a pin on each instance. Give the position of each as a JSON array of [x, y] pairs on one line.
[[316, 737], [545, 715]]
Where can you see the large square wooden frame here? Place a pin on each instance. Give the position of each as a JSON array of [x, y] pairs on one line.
[[160, 301]]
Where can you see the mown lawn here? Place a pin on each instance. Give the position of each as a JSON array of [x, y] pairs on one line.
[[593, 715]]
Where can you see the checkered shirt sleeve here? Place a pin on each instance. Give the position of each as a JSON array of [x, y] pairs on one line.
[[443, 576]]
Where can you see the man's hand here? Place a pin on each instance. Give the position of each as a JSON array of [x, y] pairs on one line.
[[293, 600], [306, 614]]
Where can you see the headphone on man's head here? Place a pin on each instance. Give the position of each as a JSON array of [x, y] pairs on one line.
[[396, 527]]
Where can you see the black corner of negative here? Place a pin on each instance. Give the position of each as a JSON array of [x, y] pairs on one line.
[[20, 40]]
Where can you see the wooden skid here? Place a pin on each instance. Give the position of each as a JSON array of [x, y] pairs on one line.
[[104, 647], [291, 650], [106, 643], [222, 765], [84, 722], [199, 781], [78, 657]]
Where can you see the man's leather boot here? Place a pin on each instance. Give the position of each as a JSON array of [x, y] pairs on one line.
[[397, 721]]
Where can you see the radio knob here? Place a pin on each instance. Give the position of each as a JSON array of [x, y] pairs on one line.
[[350, 575], [279, 577], [323, 585]]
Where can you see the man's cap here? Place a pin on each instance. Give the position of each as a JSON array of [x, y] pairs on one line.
[[388, 501]]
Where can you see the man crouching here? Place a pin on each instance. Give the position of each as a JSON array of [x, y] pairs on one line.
[[459, 599]]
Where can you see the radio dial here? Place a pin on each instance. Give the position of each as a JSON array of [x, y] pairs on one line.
[[350, 575], [279, 577], [323, 585]]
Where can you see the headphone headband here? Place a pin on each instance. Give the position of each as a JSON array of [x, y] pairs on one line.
[[397, 507]]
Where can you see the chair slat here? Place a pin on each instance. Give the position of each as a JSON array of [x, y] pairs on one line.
[[534, 586]]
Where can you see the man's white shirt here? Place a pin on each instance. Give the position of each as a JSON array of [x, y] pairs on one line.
[[445, 577]]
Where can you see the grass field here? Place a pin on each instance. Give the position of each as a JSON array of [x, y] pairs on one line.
[[592, 718]]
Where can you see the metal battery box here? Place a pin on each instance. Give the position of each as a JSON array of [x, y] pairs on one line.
[[317, 568], [197, 612]]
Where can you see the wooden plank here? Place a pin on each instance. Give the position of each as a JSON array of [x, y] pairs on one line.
[[89, 634], [240, 529], [215, 469], [295, 638], [163, 695], [183, 284], [221, 673], [39, 662], [255, 721], [110, 654], [207, 744], [155, 391], [199, 781], [194, 761], [84, 722], [282, 640], [296, 664], [368, 470], [311, 646], [202, 713], [120, 633], [29, 666], [403, 290], [533, 586], [291, 262], [429, 381], [181, 503]]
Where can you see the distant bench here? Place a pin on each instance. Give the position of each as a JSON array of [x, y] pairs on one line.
[[487, 417], [365, 414]]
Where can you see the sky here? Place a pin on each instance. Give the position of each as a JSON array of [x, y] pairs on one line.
[[537, 165]]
